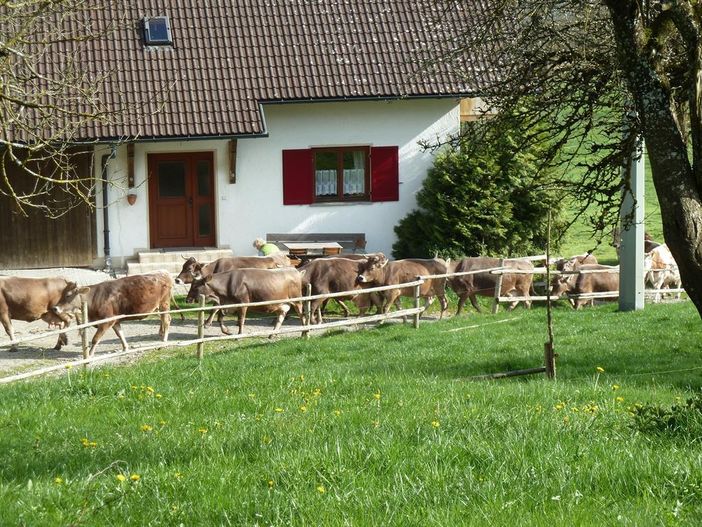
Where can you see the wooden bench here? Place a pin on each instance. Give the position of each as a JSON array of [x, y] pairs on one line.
[[324, 244]]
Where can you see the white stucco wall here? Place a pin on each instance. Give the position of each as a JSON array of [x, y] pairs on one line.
[[253, 206]]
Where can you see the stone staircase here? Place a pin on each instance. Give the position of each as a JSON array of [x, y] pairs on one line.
[[172, 260]]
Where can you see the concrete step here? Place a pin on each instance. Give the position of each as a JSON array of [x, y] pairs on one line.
[[201, 255], [172, 261]]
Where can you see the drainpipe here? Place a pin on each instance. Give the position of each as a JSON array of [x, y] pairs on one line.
[[105, 216]]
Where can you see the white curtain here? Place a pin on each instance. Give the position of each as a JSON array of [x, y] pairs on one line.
[[325, 182], [354, 178]]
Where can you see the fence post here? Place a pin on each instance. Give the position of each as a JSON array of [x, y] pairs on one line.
[[416, 303], [498, 289], [306, 310], [84, 331], [201, 328]]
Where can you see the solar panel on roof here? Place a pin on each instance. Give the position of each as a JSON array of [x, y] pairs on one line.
[[157, 31]]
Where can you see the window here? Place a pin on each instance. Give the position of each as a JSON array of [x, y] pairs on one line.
[[340, 174], [157, 31]]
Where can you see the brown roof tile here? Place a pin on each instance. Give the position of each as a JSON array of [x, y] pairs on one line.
[[228, 57]]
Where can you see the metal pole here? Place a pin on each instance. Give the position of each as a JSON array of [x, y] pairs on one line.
[[84, 331], [201, 328], [631, 253]]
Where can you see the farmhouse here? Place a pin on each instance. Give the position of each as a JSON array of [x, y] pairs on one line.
[[236, 120]]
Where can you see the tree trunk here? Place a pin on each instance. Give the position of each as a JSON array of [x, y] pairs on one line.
[[673, 177]]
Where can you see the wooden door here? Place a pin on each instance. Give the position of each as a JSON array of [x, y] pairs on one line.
[[181, 200]]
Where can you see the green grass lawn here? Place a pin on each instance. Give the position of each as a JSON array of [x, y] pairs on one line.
[[378, 427]]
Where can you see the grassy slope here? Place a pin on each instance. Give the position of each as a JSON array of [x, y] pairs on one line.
[[379, 427], [579, 239]]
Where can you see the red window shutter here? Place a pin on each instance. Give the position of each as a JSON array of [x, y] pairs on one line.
[[297, 177], [385, 173]]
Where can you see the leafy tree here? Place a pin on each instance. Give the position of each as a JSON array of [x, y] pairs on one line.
[[601, 74], [484, 196]]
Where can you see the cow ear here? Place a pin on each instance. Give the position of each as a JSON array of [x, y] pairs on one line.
[[302, 272], [385, 262], [207, 278], [83, 290]]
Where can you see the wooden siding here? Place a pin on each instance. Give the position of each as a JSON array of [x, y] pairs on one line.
[[36, 241]]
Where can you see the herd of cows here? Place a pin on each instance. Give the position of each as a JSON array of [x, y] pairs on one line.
[[251, 279]]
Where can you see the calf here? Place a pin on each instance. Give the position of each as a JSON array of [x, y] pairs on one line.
[[484, 284], [136, 295], [377, 271], [661, 271], [193, 269], [604, 282], [243, 286], [565, 283], [30, 299], [334, 275]]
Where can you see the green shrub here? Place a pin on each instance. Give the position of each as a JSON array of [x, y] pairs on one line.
[[482, 196]]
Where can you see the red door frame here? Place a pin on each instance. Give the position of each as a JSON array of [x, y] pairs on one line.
[[189, 204]]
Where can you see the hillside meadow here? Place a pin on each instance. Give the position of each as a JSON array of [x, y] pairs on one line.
[[381, 426]]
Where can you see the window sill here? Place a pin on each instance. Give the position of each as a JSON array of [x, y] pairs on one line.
[[339, 203]]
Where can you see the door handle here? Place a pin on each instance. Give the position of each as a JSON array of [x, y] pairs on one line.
[[190, 202]]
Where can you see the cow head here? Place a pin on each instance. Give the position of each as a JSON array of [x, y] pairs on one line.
[[70, 302], [372, 270], [191, 270], [201, 286]]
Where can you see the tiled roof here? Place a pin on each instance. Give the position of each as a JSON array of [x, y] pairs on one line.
[[229, 56]]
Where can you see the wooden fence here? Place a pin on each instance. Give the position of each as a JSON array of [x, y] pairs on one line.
[[304, 329]]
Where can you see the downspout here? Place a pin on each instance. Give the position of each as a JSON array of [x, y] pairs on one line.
[[105, 216]]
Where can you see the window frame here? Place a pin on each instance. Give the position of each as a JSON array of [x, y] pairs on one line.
[[148, 40], [340, 197]]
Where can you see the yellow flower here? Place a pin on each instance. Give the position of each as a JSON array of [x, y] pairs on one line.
[[68, 366], [58, 480], [162, 422], [566, 420], [337, 413], [317, 392], [279, 410], [146, 428], [270, 483], [435, 424], [615, 387], [135, 477], [303, 408], [158, 396], [202, 430], [178, 475], [620, 399], [121, 477], [375, 423], [559, 406], [321, 489], [252, 395], [600, 369], [376, 395], [150, 389]]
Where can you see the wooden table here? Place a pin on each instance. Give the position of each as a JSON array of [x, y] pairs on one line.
[[309, 248]]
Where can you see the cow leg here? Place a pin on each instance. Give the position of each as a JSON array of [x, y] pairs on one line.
[[62, 338], [344, 308], [316, 310], [474, 302], [7, 324], [165, 326], [118, 330], [101, 330], [220, 319], [461, 302], [210, 318], [283, 310], [242, 318], [444, 305]]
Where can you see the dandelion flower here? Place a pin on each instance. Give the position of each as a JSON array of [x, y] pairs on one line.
[[435, 424], [121, 477], [279, 410], [337, 413], [615, 387], [150, 389], [303, 408], [600, 369], [202, 430], [146, 428], [376, 395], [321, 489], [135, 477], [620, 399], [178, 475], [559, 406], [270, 483], [58, 480]]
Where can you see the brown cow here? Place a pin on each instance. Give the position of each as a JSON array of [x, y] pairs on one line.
[[334, 275], [30, 299], [131, 295], [594, 282], [561, 284], [242, 286], [661, 271], [193, 269], [468, 286], [376, 271]]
